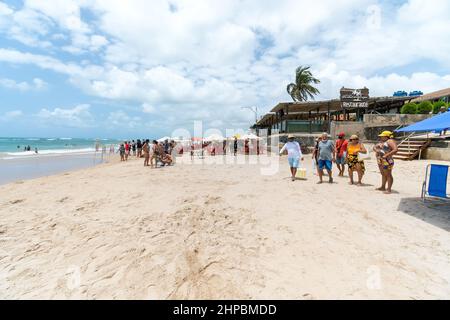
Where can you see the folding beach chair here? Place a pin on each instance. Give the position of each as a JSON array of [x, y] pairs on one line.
[[435, 184]]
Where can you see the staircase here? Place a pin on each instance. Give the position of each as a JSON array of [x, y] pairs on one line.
[[411, 148]]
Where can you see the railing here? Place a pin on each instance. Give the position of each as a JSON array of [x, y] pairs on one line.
[[407, 140]]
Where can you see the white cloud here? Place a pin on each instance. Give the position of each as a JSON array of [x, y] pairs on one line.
[[77, 117], [36, 84], [333, 80], [120, 120], [147, 108], [12, 114], [207, 59]]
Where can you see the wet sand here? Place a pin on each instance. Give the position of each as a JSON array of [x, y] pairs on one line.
[[32, 167]]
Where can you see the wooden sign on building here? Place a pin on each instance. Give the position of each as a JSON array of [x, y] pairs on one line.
[[355, 98]]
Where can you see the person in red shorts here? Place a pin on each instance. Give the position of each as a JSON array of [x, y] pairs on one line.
[[341, 149]]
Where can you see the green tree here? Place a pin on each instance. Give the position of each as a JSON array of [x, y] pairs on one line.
[[425, 107], [409, 108], [438, 105], [303, 88]]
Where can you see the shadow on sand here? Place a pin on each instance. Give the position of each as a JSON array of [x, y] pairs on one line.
[[433, 211]]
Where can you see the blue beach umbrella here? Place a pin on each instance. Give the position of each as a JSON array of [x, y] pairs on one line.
[[437, 123]]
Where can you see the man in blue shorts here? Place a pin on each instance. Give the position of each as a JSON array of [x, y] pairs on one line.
[[327, 155]]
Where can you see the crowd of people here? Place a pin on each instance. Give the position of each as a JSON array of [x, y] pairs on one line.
[[345, 153], [233, 146], [154, 153]]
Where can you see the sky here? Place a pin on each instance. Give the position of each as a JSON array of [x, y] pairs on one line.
[[113, 68]]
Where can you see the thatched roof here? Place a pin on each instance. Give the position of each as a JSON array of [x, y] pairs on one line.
[[301, 110], [433, 96], [316, 106]]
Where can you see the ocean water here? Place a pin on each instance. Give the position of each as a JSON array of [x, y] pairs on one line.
[[55, 155], [11, 147]]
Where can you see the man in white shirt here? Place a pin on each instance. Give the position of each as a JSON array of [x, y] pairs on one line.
[[294, 154]]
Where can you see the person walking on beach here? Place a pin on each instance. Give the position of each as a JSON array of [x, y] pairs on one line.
[[146, 149], [355, 147], [122, 152], [166, 147], [326, 157], [235, 146], [315, 155], [341, 150], [139, 148], [133, 147], [385, 150], [192, 150], [294, 154], [224, 147], [127, 150], [157, 152]]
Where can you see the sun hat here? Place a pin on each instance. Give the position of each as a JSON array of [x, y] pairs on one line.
[[354, 137], [291, 136], [387, 134]]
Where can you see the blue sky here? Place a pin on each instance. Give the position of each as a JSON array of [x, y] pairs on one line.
[[109, 68]]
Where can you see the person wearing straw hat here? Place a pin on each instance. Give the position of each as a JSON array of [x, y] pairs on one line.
[[354, 148], [294, 154], [385, 150]]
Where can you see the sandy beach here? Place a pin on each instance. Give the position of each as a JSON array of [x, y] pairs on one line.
[[221, 231]]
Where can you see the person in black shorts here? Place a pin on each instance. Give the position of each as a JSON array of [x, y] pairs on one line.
[[133, 147], [139, 148]]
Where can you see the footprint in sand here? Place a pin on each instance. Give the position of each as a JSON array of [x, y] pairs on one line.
[[212, 200], [17, 201], [63, 200], [308, 296]]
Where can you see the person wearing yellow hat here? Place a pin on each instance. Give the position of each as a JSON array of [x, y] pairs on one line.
[[385, 150]]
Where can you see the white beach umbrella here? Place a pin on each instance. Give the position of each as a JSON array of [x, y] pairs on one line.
[[250, 136], [178, 139], [164, 139], [214, 137]]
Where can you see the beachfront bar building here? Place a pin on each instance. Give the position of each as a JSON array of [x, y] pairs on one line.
[[318, 116], [354, 113], [313, 117]]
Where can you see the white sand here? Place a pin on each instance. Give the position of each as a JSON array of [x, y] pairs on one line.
[[221, 231]]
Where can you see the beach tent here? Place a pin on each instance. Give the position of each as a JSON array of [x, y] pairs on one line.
[[214, 137], [437, 123], [180, 139], [164, 139]]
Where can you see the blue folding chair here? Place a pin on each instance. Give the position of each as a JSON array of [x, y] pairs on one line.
[[435, 184]]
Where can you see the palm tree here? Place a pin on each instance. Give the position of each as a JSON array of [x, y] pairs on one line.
[[302, 89]]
